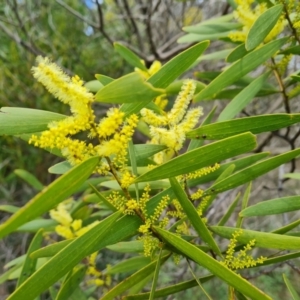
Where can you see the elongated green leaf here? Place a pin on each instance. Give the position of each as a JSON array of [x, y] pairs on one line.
[[15, 120], [120, 230], [183, 286], [50, 250], [193, 216], [279, 259], [168, 73], [9, 208], [128, 265], [262, 239], [241, 100], [292, 175], [131, 280], [210, 28], [127, 89], [94, 86], [195, 37], [237, 53], [213, 265], [240, 68], [214, 56], [272, 207], [30, 263], [129, 56], [291, 289], [50, 196], [105, 80], [256, 124], [244, 205], [127, 247], [36, 225], [291, 50], [103, 199], [262, 26], [71, 283], [143, 151], [252, 172], [29, 178], [63, 261], [238, 163], [230, 210], [60, 168], [287, 227], [156, 273], [202, 157]]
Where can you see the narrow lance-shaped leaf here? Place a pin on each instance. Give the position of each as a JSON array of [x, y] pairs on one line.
[[193, 216], [241, 100], [240, 218], [213, 265], [127, 89], [50, 196], [252, 172], [29, 178], [63, 261], [30, 263], [262, 239], [230, 210], [182, 286], [202, 157], [15, 120], [129, 56], [256, 124], [132, 280], [291, 289], [237, 53], [71, 283], [240, 68], [272, 207], [263, 26]]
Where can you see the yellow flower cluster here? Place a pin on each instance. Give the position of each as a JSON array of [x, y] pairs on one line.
[[69, 229], [113, 132], [150, 242], [203, 171], [242, 260], [246, 15], [177, 121], [96, 277], [156, 65]]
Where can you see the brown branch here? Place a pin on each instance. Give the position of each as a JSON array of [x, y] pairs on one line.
[[20, 42], [101, 23], [134, 25], [290, 22], [149, 32], [76, 14], [282, 87]]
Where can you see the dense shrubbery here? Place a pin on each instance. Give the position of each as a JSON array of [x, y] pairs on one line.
[[151, 201]]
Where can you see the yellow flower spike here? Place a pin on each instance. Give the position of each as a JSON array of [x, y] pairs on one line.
[[242, 260], [64, 231], [76, 225], [111, 123], [61, 215], [67, 90], [152, 118], [181, 103]]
